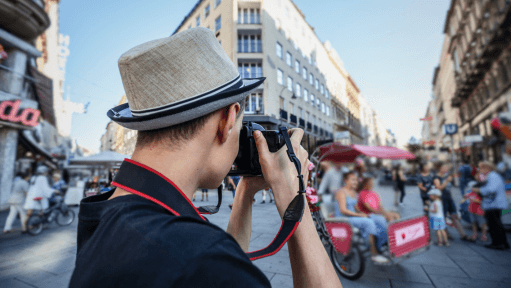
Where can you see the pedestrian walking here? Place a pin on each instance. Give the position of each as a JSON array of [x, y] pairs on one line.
[[399, 179], [39, 187], [465, 176], [270, 193], [425, 184], [16, 201], [442, 181], [437, 218], [494, 201]]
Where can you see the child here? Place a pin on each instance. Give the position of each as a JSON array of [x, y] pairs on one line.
[[476, 213], [436, 217]]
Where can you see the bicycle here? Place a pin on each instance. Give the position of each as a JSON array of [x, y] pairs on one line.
[[58, 211]]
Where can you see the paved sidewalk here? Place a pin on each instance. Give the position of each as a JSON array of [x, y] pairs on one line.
[[47, 260]]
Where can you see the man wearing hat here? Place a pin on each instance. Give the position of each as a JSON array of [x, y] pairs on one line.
[[186, 99]]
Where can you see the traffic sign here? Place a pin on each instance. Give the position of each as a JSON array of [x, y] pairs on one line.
[[450, 129]]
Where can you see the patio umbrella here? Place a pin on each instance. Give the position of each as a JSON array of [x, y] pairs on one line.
[[346, 154]]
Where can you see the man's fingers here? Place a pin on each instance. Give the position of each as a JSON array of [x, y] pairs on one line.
[[262, 146], [296, 135]]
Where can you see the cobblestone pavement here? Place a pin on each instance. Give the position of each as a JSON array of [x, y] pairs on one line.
[[47, 260]]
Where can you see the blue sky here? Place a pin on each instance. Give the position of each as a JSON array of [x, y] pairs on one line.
[[390, 48]]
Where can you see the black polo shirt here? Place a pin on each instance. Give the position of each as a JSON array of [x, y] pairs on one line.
[[130, 241]]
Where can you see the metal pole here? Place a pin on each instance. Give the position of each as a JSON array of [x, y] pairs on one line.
[[453, 155]]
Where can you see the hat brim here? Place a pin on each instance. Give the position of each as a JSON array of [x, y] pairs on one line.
[[183, 112]]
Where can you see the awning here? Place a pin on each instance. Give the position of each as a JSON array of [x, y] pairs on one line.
[[346, 154], [26, 138], [44, 92]]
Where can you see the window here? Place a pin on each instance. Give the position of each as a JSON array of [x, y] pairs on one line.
[[322, 89], [456, 63], [280, 77], [308, 116], [258, 17], [313, 119], [281, 103], [217, 2], [323, 110], [250, 70], [249, 44], [298, 90], [254, 103], [291, 108], [289, 59], [218, 23], [300, 112], [304, 73], [297, 66], [317, 84], [279, 50], [311, 79], [290, 84], [252, 16], [206, 12], [327, 110], [305, 95], [245, 16], [318, 104], [327, 95], [312, 99], [190, 26], [197, 21]]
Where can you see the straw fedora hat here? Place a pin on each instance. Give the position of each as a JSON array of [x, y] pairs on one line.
[[177, 79]]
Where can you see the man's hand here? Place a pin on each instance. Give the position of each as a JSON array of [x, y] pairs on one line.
[[254, 184], [278, 170], [449, 179]]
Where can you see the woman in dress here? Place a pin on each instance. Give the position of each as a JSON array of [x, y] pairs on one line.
[[347, 206]]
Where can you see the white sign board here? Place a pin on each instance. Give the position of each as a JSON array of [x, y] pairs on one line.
[[474, 138], [465, 144], [342, 135]]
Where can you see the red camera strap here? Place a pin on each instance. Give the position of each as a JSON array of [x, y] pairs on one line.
[[148, 183]]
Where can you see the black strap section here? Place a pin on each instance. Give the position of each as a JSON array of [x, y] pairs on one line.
[[286, 230], [212, 209]]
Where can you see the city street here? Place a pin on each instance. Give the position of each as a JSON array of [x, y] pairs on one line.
[[47, 260]]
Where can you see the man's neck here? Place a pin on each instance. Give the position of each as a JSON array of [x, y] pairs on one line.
[[184, 171]]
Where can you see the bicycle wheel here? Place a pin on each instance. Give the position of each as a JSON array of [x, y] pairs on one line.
[[35, 224], [351, 266], [65, 219]]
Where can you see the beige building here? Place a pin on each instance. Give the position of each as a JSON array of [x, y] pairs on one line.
[[272, 39], [472, 82], [118, 138]]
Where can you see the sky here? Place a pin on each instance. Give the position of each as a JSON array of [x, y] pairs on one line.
[[390, 48]]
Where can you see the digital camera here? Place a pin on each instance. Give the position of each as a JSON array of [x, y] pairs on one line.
[[247, 160]]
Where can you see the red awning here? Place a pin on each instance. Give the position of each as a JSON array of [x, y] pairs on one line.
[[346, 154]]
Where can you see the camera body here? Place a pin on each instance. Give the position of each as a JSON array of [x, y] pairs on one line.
[[247, 160]]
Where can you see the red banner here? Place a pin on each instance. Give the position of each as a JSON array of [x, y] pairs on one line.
[[341, 234], [407, 236]]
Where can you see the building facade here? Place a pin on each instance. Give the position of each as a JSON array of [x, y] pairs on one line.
[[479, 40], [306, 84]]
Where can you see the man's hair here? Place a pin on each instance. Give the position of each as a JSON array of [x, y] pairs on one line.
[[438, 165], [175, 135], [347, 174]]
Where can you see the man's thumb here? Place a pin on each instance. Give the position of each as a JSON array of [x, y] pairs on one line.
[[262, 146]]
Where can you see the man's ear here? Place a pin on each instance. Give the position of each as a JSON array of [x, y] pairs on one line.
[[227, 121]]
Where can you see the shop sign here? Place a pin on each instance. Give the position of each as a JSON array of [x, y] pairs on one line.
[[474, 138], [342, 135], [10, 111], [465, 144]]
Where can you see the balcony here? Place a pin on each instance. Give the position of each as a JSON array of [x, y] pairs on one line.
[[24, 18], [309, 126], [292, 118], [302, 123], [315, 129], [321, 131], [283, 114]]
